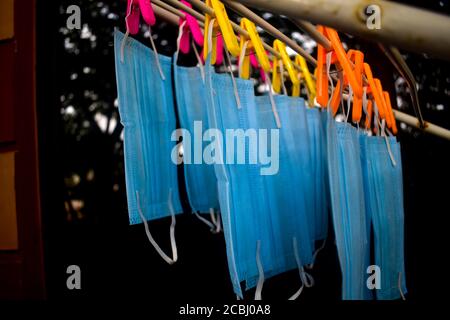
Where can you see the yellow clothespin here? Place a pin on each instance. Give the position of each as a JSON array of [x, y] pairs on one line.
[[280, 47], [223, 25], [255, 44], [307, 76]]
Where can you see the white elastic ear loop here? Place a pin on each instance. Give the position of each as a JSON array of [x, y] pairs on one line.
[[200, 63], [210, 30], [241, 57], [236, 94], [365, 101], [180, 33], [259, 286], [211, 225], [311, 265], [215, 217], [305, 278], [376, 121], [328, 65], [155, 52], [388, 145], [349, 101], [272, 101], [173, 243], [127, 33], [214, 224], [122, 46], [380, 131], [400, 286], [280, 64]]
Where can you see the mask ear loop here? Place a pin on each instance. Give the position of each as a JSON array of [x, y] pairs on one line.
[[259, 286], [311, 265], [380, 132], [214, 226], [365, 102], [349, 101], [400, 285], [173, 243], [328, 65], [272, 101], [242, 56], [155, 52], [376, 122], [215, 218], [211, 25], [200, 63], [306, 279], [127, 33], [388, 145], [236, 94], [180, 34]]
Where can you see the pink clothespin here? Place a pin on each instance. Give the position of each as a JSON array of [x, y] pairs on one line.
[[191, 27], [134, 9], [219, 48], [147, 12]]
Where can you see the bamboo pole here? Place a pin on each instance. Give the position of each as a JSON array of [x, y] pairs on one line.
[[402, 26], [428, 127]]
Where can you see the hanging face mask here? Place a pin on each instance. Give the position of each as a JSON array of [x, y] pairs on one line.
[[319, 185], [348, 208], [201, 183], [288, 213], [242, 196], [385, 203], [146, 107]]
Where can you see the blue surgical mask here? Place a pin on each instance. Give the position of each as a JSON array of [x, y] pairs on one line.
[[319, 186], [201, 182], [289, 213], [242, 194], [385, 203], [348, 208], [146, 107]]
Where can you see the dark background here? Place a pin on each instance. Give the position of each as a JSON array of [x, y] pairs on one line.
[[83, 188]]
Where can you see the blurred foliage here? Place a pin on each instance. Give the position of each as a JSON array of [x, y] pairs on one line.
[[88, 105]]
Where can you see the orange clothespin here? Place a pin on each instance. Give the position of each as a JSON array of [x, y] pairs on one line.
[[380, 90], [369, 114], [321, 74], [390, 112], [374, 89], [336, 98], [357, 57], [344, 61]]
